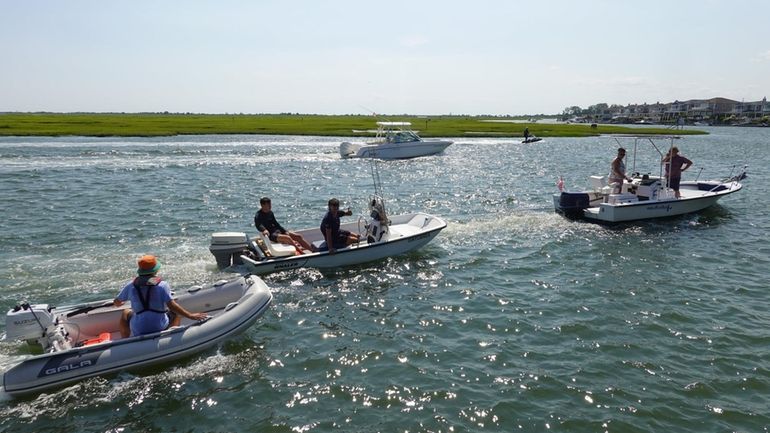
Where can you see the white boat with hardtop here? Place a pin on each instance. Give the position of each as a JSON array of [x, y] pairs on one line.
[[394, 140], [646, 196]]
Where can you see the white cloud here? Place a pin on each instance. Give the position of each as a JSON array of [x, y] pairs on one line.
[[414, 41], [762, 57], [628, 81]]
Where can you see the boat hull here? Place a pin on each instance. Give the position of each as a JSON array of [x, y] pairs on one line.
[[407, 232], [400, 150], [695, 197], [238, 312]]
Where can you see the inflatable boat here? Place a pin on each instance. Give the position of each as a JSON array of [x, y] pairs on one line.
[[81, 341]]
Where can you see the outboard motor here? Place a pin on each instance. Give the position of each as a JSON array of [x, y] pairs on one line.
[[572, 204], [377, 229], [348, 149], [29, 323], [227, 248]]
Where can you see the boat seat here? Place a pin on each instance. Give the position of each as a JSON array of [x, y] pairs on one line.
[[321, 246], [278, 249], [597, 182]]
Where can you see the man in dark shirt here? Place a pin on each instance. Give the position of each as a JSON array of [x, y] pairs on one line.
[[675, 165], [330, 228], [265, 221]]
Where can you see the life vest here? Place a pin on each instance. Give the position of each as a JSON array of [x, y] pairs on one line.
[[145, 300]]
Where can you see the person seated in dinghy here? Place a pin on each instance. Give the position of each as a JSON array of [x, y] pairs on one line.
[[265, 222], [330, 228], [151, 297]]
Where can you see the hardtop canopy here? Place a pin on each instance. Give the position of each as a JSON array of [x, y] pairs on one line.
[[385, 124]]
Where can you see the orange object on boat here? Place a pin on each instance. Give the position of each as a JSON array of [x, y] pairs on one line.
[[102, 338]]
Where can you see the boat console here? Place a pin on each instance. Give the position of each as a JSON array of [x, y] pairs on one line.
[[644, 187], [641, 187]]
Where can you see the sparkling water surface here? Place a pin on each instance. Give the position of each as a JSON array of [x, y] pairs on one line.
[[512, 319]]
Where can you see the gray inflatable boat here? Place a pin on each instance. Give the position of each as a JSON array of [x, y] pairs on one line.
[[82, 341]]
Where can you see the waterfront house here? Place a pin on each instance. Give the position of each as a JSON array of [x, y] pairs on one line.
[[752, 110]]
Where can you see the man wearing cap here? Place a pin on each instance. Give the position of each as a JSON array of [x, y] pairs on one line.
[[330, 228], [151, 299]]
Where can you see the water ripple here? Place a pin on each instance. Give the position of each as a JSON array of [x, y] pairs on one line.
[[513, 318]]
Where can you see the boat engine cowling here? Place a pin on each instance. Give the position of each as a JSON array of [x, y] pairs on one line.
[[573, 203], [227, 248], [348, 149], [28, 322]]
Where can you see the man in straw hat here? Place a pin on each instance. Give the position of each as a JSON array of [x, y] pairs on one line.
[[151, 298]]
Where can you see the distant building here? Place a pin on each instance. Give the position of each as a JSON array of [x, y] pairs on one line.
[[714, 110], [696, 110], [752, 110]]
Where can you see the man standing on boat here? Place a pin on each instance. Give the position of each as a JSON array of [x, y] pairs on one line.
[[264, 221], [676, 165], [618, 172], [330, 228], [152, 307]]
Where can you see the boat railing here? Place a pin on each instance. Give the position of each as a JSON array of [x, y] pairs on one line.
[[650, 139], [699, 172]]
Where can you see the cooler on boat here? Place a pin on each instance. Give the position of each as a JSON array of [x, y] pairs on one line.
[[625, 197]]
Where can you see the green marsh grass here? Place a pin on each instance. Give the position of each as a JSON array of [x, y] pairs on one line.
[[150, 125]]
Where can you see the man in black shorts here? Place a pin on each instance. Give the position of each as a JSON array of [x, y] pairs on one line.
[[330, 228], [265, 221]]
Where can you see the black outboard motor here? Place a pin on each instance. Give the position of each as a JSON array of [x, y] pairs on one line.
[[572, 204]]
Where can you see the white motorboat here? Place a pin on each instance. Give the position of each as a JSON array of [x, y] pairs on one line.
[[81, 341], [381, 236], [394, 140], [645, 197], [404, 233]]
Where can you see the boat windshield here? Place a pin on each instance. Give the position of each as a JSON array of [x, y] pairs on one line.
[[403, 137]]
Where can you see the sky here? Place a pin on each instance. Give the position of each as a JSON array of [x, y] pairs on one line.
[[358, 57]]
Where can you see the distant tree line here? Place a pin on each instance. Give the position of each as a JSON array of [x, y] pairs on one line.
[[592, 110]]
